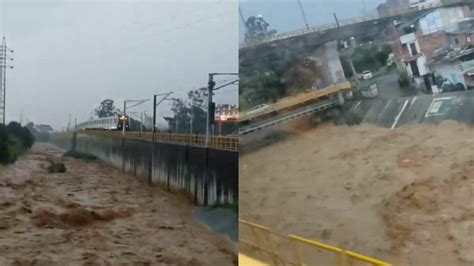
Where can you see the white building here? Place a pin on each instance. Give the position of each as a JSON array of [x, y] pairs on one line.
[[420, 4]]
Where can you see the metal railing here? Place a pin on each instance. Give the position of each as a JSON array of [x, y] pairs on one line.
[[291, 101], [221, 143], [323, 105], [351, 21], [265, 243]]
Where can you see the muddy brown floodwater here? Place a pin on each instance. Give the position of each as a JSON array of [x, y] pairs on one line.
[[95, 215], [405, 196]]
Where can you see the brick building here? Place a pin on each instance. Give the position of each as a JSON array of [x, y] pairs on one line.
[[420, 40]]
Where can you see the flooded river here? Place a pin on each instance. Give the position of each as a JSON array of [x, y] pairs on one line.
[[95, 215], [405, 196]]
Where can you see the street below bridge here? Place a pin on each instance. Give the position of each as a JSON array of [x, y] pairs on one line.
[[96, 215], [397, 112]]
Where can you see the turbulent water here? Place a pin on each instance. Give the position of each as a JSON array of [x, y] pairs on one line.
[[405, 196], [95, 215]]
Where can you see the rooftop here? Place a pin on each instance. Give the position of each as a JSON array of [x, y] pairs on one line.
[[448, 55]]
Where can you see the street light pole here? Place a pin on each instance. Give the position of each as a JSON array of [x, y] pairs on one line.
[[152, 157], [304, 15]]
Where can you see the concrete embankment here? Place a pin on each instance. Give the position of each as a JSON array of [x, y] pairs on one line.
[[207, 176]]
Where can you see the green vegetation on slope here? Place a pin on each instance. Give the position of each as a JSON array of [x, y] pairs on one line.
[[80, 155], [14, 140]]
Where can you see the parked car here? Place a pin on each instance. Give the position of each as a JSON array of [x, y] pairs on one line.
[[257, 109], [367, 74]]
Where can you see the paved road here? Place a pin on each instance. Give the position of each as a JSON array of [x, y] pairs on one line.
[[388, 86], [396, 112]]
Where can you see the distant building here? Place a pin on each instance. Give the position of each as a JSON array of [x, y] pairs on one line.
[[226, 112], [226, 119], [456, 66], [43, 129], [419, 4], [393, 6]]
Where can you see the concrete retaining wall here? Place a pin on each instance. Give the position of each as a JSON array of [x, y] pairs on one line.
[[207, 176]]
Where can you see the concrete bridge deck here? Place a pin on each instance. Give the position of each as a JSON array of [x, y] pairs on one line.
[[350, 22]]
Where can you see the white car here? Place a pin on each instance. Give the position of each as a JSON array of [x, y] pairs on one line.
[[257, 109], [367, 75]]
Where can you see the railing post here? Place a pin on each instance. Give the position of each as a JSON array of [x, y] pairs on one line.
[[342, 258], [295, 250]]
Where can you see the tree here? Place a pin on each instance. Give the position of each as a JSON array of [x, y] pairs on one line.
[[106, 108], [257, 27], [194, 108], [15, 129]]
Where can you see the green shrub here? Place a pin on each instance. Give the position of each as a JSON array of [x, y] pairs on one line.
[[15, 148], [56, 167], [4, 155], [80, 155]]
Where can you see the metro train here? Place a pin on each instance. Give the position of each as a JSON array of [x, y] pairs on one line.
[[115, 122]]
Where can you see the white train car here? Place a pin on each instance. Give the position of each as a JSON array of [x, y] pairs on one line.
[[106, 123]]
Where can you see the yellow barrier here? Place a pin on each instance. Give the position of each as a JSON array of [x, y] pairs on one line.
[[288, 102], [271, 252], [247, 261], [221, 143]]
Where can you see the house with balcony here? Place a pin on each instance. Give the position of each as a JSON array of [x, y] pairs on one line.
[[421, 39]]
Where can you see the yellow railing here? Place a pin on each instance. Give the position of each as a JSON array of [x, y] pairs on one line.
[[291, 101], [221, 143], [279, 249]]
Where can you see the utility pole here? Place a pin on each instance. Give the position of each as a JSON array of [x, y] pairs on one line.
[[153, 131], [124, 120], [243, 19], [69, 123], [137, 102], [141, 122], [3, 66], [155, 104], [335, 17], [210, 108], [192, 118], [304, 16], [211, 105]]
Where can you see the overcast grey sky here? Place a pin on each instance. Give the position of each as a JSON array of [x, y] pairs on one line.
[[71, 54]]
